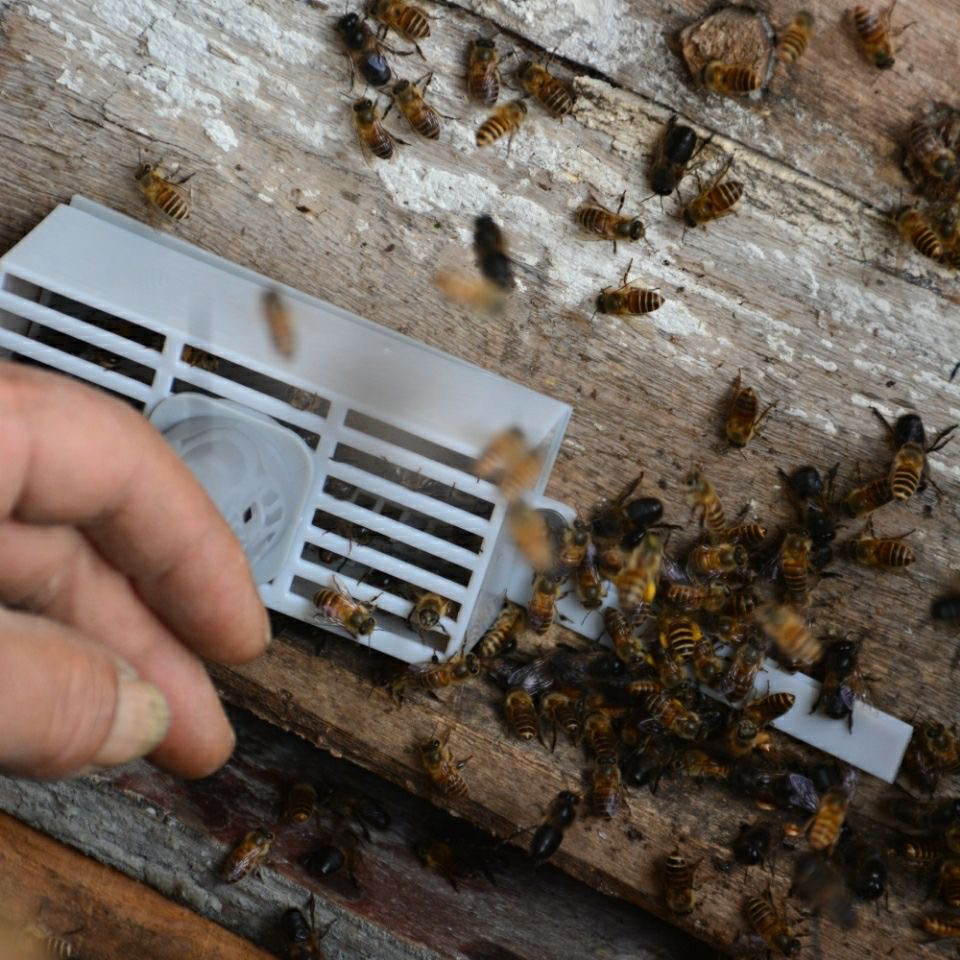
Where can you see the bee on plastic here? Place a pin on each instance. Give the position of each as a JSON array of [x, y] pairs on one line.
[[769, 708], [501, 636], [873, 32], [171, 199], [841, 680], [375, 139], [703, 498], [739, 679], [752, 844], [549, 835], [500, 454], [916, 228], [788, 631], [366, 54], [795, 563], [826, 824], [606, 788], [884, 553], [521, 714], [247, 855], [679, 636], [927, 147], [300, 803], [677, 879], [676, 148], [301, 941], [868, 497], [560, 710], [743, 414], [433, 676], [546, 89], [490, 248], [628, 299], [717, 560], [708, 668], [409, 21], [716, 200], [335, 606], [530, 533], [427, 611], [910, 470], [819, 885], [279, 322], [730, 79], [637, 582], [542, 608], [588, 582], [594, 218], [792, 45], [673, 716], [441, 769], [483, 72], [701, 766], [416, 111], [506, 119], [770, 924], [573, 548]]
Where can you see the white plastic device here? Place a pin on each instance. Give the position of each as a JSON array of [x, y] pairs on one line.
[[350, 459]]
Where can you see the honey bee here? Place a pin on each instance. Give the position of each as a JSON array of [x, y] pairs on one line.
[[676, 149], [752, 843], [769, 708], [506, 119], [949, 882], [743, 737], [787, 629], [707, 666], [717, 560], [502, 633], [169, 198], [932, 752], [793, 43], [247, 855], [330, 857], [750, 534], [704, 498], [744, 667], [886, 553], [552, 95], [679, 635], [941, 924], [678, 874], [599, 736], [598, 220], [716, 200], [407, 20], [730, 79], [573, 550], [873, 30], [301, 801], [589, 583], [910, 469], [628, 299], [279, 323], [530, 532], [441, 769], [521, 714], [416, 111], [840, 677], [374, 138], [483, 72], [925, 816], [561, 711], [671, 714], [823, 830], [366, 55], [427, 611], [813, 501], [771, 924], [490, 248], [794, 562], [608, 519], [337, 607], [637, 582], [922, 850], [301, 941], [946, 608], [629, 647], [743, 414], [711, 597], [549, 835], [504, 451], [543, 605], [433, 676], [915, 227], [868, 497], [868, 869], [606, 788], [926, 145], [701, 766]]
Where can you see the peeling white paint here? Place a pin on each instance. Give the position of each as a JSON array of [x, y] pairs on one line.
[[221, 134], [71, 81]]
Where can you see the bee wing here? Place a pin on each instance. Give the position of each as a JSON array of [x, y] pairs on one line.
[[672, 571], [242, 861], [803, 793]]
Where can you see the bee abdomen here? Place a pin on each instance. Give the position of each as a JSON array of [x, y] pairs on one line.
[[455, 786], [868, 25], [794, 42], [381, 145], [555, 98], [904, 482], [678, 883], [733, 78], [725, 195], [594, 219], [521, 714], [894, 553], [795, 579], [681, 640], [484, 89], [604, 802], [491, 130], [428, 124], [641, 301], [172, 201], [300, 802], [412, 23], [760, 914]]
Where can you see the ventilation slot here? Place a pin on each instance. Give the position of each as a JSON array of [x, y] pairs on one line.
[[33, 362], [105, 321], [381, 430]]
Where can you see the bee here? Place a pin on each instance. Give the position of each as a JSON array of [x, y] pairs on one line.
[[937, 159], [530, 532], [561, 710], [708, 668], [679, 635], [730, 79], [427, 611], [750, 534], [416, 111], [771, 924], [629, 647], [506, 119], [676, 149], [873, 30], [941, 924], [949, 882], [302, 942], [549, 835], [946, 608], [752, 844], [823, 830], [374, 138], [794, 563], [366, 55], [589, 583], [743, 414], [787, 629], [915, 227], [868, 497], [628, 299], [407, 20], [886, 553], [671, 714], [933, 751], [910, 470], [704, 498], [922, 850], [441, 769], [926, 816], [573, 550], [502, 634], [543, 605], [868, 870], [839, 679], [678, 874], [169, 198], [717, 560], [501, 453], [300, 802], [247, 855], [716, 200], [793, 43], [483, 72], [48, 944], [641, 514], [699, 765], [433, 676], [327, 858], [743, 737], [598, 220], [599, 736], [608, 519], [820, 885], [552, 95], [279, 323], [351, 804], [606, 788], [769, 708], [744, 667], [337, 607], [637, 582], [813, 502], [490, 248], [711, 597], [521, 714]]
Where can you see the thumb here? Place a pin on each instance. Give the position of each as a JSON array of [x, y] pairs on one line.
[[67, 703]]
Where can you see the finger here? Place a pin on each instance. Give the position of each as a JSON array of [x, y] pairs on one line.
[[54, 571], [71, 455], [69, 703]]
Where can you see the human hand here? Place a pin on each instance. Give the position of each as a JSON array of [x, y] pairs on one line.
[[121, 575]]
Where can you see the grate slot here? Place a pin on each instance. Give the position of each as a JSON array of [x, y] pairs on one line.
[[127, 329], [138, 405], [92, 353]]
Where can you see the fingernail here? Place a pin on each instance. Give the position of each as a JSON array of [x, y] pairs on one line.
[[269, 631], [139, 724]]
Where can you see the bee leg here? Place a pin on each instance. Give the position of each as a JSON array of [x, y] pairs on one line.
[[883, 420], [953, 373], [944, 436]]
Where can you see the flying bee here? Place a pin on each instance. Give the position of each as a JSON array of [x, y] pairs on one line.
[[629, 647], [543, 605], [407, 20], [502, 633], [506, 119], [490, 249], [910, 470], [300, 804], [432, 675], [840, 678], [716, 200], [771, 924], [505, 450], [588, 582], [606, 788], [676, 149], [599, 736], [637, 582], [701, 766], [769, 708], [678, 874], [169, 198], [743, 414], [915, 227], [560, 709], [552, 95], [743, 737], [441, 769], [742, 673], [795, 563], [788, 631], [279, 322], [752, 843], [818, 884], [521, 714], [247, 855], [873, 31], [374, 138], [301, 940], [530, 533], [868, 497], [704, 498], [793, 43], [483, 72], [824, 827], [335, 606], [925, 144], [598, 220], [549, 835], [717, 560], [885, 553], [671, 714], [730, 79], [628, 299], [416, 111], [679, 635], [366, 54]]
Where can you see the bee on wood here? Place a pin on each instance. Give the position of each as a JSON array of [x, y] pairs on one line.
[[868, 497], [427, 611], [301, 941], [171, 199], [920, 815], [793, 43], [521, 714], [608, 520], [701, 766], [366, 54], [795, 563], [628, 299], [752, 843], [788, 631], [717, 560], [542, 607], [337, 607], [641, 514], [885, 553], [824, 827], [672, 715], [873, 31], [678, 874], [300, 804], [743, 414], [279, 322], [919, 851], [704, 498], [743, 737], [677, 147], [490, 248], [333, 855], [910, 470], [606, 788], [730, 79], [483, 72], [949, 882], [594, 218], [247, 855], [441, 769], [812, 499], [749, 534], [942, 925], [745, 665], [408, 21], [840, 680], [933, 752], [374, 138], [433, 676], [927, 147], [506, 119], [679, 636], [561, 711], [599, 736], [544, 87], [637, 582], [915, 227], [416, 111], [708, 668], [771, 925], [769, 708], [716, 200], [588, 582], [549, 835], [501, 637]]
